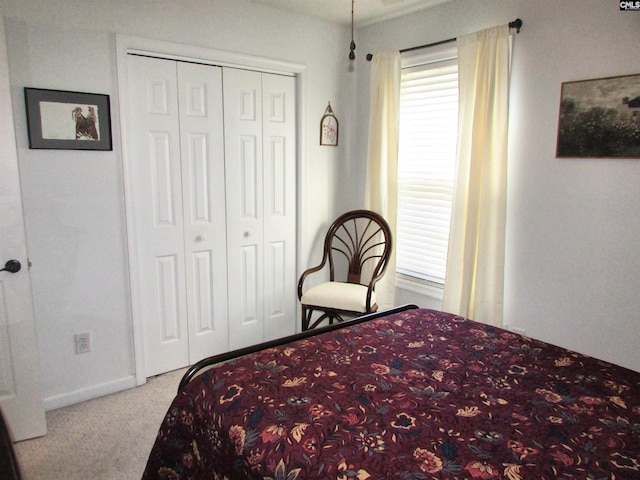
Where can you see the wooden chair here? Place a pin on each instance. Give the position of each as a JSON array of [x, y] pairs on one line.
[[357, 242]]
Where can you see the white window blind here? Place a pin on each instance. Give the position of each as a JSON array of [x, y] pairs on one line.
[[427, 157]]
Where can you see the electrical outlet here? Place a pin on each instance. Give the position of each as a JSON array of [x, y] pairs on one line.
[[83, 343]]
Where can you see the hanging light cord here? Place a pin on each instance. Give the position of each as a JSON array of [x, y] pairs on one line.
[[352, 47]]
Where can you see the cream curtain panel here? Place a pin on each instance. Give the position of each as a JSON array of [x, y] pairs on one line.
[[382, 156], [474, 284]]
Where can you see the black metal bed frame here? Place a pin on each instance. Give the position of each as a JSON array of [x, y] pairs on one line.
[[224, 357]]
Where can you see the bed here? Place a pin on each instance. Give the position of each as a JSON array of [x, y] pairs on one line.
[[406, 394]]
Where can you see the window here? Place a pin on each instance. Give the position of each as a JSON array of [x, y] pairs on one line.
[[426, 162]]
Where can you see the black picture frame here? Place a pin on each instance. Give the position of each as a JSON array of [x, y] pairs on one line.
[[64, 120], [600, 118]]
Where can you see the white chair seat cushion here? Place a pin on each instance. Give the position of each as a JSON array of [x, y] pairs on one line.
[[338, 295]]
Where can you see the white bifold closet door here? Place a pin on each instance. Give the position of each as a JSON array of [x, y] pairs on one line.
[[212, 168], [179, 208], [259, 121]]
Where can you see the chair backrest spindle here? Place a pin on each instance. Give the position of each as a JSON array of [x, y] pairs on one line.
[[359, 237]]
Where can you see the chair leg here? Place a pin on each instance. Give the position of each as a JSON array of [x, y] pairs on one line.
[[307, 314], [306, 317]]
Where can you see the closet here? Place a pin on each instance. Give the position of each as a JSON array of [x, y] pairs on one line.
[[211, 164]]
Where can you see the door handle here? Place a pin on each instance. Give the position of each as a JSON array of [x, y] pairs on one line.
[[12, 266]]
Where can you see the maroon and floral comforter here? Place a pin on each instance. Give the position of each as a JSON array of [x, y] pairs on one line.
[[417, 395]]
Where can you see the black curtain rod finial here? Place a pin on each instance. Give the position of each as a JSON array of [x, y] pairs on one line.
[[517, 24]]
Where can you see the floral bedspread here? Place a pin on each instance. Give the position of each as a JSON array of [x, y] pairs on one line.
[[417, 395]]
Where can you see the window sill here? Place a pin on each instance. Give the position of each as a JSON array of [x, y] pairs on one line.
[[422, 287]]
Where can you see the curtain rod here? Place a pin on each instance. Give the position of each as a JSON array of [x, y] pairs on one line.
[[517, 24]]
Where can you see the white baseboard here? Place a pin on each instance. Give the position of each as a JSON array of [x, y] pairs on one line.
[[84, 394]]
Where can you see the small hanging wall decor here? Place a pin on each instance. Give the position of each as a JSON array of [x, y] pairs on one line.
[[329, 128]]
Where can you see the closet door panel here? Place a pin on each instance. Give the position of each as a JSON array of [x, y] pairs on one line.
[[244, 187], [204, 320], [168, 299], [158, 238], [204, 226], [162, 189], [276, 285], [279, 146], [248, 175], [249, 294]]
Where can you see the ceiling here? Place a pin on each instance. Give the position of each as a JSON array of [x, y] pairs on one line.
[[339, 11]]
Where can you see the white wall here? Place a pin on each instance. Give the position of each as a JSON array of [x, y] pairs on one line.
[[74, 201], [573, 262]]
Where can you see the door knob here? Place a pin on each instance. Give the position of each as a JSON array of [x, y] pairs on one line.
[[12, 266]]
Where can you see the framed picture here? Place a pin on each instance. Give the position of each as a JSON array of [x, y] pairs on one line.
[[58, 119], [329, 128], [600, 118]]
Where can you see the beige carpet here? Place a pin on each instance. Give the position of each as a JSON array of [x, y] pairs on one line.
[[108, 438]]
